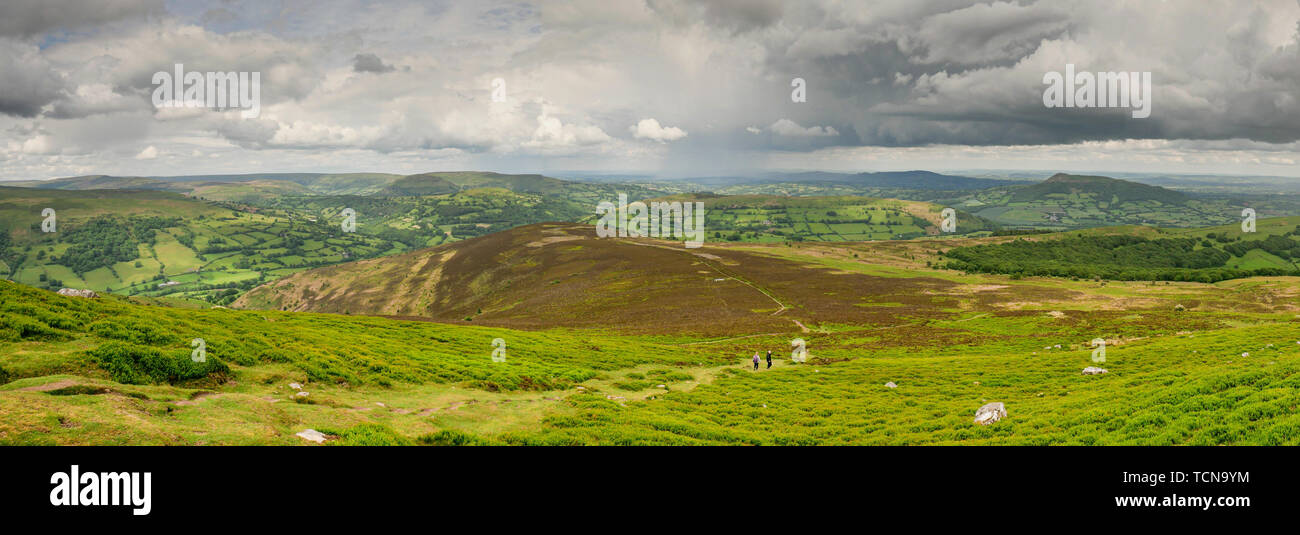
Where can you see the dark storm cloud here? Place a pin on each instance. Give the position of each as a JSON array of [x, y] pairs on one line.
[[936, 73], [27, 82], [370, 63], [26, 18]]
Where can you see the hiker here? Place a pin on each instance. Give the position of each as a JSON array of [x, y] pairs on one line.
[[755, 361], [769, 359]]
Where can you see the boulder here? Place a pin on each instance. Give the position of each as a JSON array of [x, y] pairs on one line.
[[295, 386], [312, 435], [990, 412], [1093, 370], [891, 385], [72, 292]]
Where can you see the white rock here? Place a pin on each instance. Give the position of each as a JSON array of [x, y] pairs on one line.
[[72, 292], [312, 435], [891, 385], [1246, 354], [295, 386], [1093, 370], [661, 386], [990, 412], [301, 394]]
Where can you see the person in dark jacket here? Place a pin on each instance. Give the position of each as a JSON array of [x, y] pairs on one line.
[[769, 359]]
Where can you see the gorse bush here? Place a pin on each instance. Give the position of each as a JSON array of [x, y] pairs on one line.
[[133, 364], [450, 437], [368, 435]]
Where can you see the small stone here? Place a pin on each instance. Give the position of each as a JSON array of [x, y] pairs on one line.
[[661, 386], [1246, 354], [891, 385], [301, 394], [295, 386], [1093, 370]]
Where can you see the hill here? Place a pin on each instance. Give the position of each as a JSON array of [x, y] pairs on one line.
[[162, 243], [1141, 253], [94, 182], [416, 185], [1066, 201], [918, 180], [1100, 188], [296, 183], [557, 274], [1219, 371], [775, 219]]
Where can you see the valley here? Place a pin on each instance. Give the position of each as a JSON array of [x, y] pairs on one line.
[[388, 335]]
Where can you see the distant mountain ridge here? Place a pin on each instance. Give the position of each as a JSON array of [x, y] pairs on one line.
[[1105, 188], [917, 179]]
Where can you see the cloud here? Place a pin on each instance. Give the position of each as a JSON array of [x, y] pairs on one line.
[[27, 80], [32, 17], [895, 74], [650, 129], [786, 127], [370, 63], [148, 153]]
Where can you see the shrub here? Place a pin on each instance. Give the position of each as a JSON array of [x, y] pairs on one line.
[[370, 435], [132, 364], [448, 437]]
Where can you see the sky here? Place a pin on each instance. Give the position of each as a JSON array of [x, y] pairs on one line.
[[664, 87]]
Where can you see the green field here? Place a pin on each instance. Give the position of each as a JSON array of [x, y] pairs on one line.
[[206, 247], [1189, 364]]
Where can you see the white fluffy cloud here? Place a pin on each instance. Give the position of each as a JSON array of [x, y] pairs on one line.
[[652, 130]]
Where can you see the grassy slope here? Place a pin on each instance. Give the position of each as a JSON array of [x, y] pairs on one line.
[[951, 343]]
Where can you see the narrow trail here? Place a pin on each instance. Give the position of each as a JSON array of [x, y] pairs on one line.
[[720, 271], [732, 338]]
